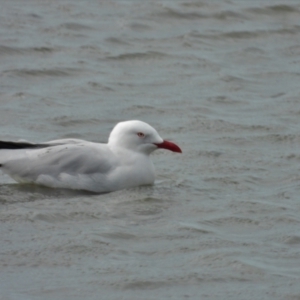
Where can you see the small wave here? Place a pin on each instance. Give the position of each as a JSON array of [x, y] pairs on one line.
[[7, 50], [213, 154], [118, 41], [197, 228], [55, 72], [119, 235], [139, 26], [244, 34], [292, 156], [66, 122], [145, 284], [234, 221], [76, 26], [147, 206], [292, 240], [224, 100], [173, 13], [100, 86], [145, 109], [10, 50], [281, 138], [138, 56], [224, 15], [292, 50], [259, 33], [274, 9], [192, 15], [148, 210]]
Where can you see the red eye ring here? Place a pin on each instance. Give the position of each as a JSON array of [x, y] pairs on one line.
[[140, 134]]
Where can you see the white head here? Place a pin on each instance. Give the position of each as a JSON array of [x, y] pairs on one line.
[[140, 137]]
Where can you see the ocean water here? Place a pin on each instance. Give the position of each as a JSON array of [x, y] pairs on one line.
[[219, 78]]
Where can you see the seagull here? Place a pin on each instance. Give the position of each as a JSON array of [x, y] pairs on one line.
[[123, 162]]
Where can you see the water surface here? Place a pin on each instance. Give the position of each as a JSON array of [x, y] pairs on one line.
[[221, 78]]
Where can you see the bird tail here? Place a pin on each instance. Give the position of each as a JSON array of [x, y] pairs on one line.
[[6, 147], [20, 145]]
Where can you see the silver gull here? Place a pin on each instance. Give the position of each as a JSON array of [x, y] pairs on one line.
[[123, 162]]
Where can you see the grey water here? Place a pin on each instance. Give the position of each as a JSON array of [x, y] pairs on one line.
[[219, 78]]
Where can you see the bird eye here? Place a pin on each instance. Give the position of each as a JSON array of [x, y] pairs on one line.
[[140, 134]]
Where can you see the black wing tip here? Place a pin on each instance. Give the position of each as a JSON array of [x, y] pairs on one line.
[[20, 145]]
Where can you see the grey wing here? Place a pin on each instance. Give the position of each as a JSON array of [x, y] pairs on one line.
[[78, 165], [66, 142]]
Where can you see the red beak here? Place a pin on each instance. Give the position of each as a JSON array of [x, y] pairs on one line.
[[169, 146]]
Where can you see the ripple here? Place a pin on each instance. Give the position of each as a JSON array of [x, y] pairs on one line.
[[138, 56], [55, 72], [247, 34], [197, 228], [173, 13], [8, 50], [145, 284], [76, 26], [292, 240], [274, 9], [280, 138], [66, 122], [234, 221], [119, 235]]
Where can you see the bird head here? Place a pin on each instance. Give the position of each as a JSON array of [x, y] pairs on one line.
[[140, 137]]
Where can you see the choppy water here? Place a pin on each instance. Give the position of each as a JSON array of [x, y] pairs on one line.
[[221, 78]]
